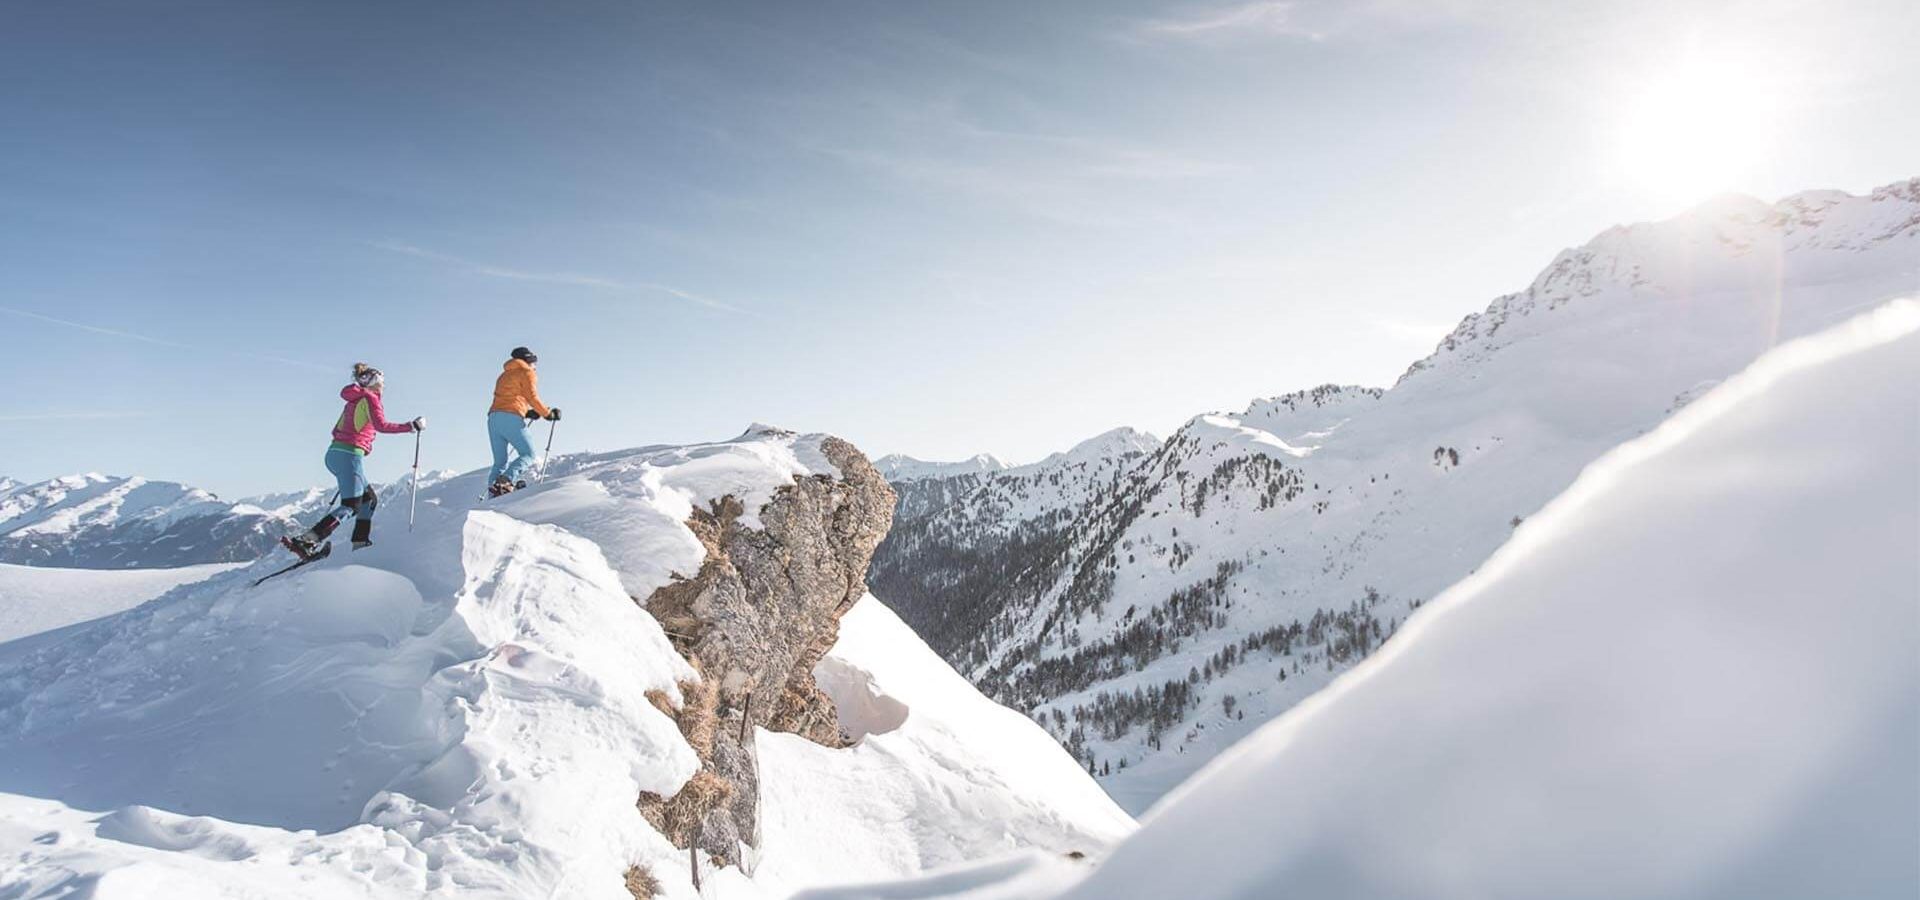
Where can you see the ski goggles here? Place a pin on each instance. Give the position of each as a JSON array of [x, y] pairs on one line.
[[369, 377]]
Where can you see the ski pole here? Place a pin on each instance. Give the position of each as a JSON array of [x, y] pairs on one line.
[[413, 499], [547, 454]]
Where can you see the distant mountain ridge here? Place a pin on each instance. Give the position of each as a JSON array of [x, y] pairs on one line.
[[95, 521], [1162, 604], [899, 467]]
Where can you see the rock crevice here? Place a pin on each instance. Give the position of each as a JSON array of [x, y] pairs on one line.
[[763, 609]]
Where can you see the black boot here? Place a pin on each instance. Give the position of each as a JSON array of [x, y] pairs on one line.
[[362, 533], [502, 486], [307, 543]]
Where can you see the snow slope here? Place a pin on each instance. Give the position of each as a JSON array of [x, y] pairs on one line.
[[1211, 585], [462, 711], [33, 600], [1691, 675], [96, 521], [993, 781]]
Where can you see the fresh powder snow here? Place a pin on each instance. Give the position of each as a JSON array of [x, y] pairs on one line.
[[462, 711], [1691, 675], [35, 599], [1154, 608]]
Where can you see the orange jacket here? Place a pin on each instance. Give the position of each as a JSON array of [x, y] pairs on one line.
[[514, 391]]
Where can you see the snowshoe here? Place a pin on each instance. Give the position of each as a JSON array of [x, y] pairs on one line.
[[317, 556], [501, 486], [308, 546]]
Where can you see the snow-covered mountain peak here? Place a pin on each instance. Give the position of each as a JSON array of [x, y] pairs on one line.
[[897, 467], [1117, 443], [1549, 705], [490, 705], [101, 521], [1152, 614], [73, 502], [1310, 416], [1688, 275]]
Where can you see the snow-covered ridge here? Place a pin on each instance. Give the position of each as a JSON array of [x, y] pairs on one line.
[[1732, 244], [1731, 658], [465, 710], [1117, 443], [72, 502], [896, 467], [1155, 615], [101, 521]]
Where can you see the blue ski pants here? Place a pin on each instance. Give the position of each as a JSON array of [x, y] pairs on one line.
[[505, 429], [350, 470]]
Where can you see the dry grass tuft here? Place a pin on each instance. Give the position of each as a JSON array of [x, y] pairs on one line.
[[641, 883], [679, 817]]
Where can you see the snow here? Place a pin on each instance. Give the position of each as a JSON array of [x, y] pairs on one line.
[[1691, 675], [1092, 452], [1016, 876], [1107, 445], [940, 776], [34, 600], [897, 467], [461, 711], [112, 522], [1316, 500], [73, 502]]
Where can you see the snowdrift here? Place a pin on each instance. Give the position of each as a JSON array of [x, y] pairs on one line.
[[34, 599], [1692, 675], [463, 711], [1157, 615]]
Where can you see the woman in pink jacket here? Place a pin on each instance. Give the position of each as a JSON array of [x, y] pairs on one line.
[[352, 441]]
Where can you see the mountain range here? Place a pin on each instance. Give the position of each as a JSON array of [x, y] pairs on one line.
[[1151, 603]]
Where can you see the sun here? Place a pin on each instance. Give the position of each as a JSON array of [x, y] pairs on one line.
[[1697, 128]]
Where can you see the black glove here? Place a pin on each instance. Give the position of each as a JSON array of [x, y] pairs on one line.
[[419, 424], [553, 415], [531, 415]]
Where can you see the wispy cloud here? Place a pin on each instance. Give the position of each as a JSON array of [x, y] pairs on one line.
[[72, 416], [563, 279], [1054, 176], [1266, 18], [95, 329], [158, 342]]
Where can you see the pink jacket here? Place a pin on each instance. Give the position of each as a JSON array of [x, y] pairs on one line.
[[362, 417]]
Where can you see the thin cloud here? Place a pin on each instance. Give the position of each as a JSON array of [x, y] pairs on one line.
[[1040, 195], [72, 416], [158, 342], [110, 332], [563, 279], [1268, 18]]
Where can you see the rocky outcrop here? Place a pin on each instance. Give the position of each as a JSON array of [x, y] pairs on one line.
[[761, 612]]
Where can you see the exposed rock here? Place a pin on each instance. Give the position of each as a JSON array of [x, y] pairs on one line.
[[762, 611]]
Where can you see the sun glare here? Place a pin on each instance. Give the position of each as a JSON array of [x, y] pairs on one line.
[[1702, 127]]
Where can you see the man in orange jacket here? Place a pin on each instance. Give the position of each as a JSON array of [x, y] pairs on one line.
[[516, 403]]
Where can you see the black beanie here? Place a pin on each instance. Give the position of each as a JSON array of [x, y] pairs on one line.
[[524, 353]]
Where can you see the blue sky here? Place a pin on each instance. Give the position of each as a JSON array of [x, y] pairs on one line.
[[938, 229]]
